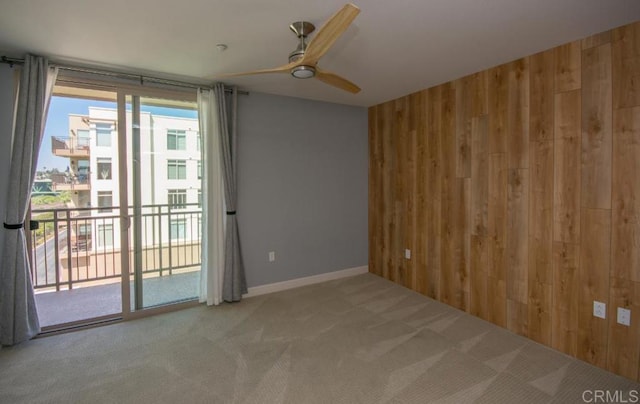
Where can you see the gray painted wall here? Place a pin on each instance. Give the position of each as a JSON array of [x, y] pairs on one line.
[[6, 122], [302, 183], [302, 187]]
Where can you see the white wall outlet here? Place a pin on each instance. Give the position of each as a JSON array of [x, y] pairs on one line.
[[272, 256], [624, 316], [407, 253], [599, 309]]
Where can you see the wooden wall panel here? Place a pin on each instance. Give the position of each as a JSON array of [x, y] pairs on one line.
[[479, 298], [517, 235], [626, 65], [448, 147], [455, 200], [434, 185], [421, 162], [497, 228], [597, 39], [403, 191], [595, 254], [480, 94], [596, 127], [623, 355], [479, 251], [388, 224], [567, 157], [624, 342], [542, 101], [517, 190], [376, 210], [464, 112], [517, 250], [568, 72], [541, 172], [498, 96], [518, 114], [479, 177], [566, 261], [625, 240], [408, 210]]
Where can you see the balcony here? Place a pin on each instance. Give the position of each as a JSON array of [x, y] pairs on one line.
[[69, 147], [65, 182], [76, 259]]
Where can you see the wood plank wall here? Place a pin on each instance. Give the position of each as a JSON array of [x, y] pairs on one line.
[[517, 190]]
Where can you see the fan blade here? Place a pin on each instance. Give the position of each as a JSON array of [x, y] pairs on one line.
[[329, 33], [281, 69], [334, 80]]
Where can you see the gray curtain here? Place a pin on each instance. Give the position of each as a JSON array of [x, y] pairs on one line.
[[234, 284], [18, 315]]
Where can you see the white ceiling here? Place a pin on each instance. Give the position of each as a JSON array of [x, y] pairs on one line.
[[393, 48]]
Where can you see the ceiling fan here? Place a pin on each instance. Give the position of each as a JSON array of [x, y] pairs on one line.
[[303, 61]]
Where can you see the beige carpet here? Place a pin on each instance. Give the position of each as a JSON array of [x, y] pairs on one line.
[[354, 340]]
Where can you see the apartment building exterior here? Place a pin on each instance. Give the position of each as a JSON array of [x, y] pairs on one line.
[[170, 178]]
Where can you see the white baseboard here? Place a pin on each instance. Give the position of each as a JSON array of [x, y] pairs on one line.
[[309, 280]]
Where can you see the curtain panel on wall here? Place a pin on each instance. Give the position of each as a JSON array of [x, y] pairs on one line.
[[18, 314], [235, 284], [213, 201]]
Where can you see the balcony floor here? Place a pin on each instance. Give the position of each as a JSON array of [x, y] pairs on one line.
[[95, 301]]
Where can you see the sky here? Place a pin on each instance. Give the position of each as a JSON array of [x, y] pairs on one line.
[[58, 124]]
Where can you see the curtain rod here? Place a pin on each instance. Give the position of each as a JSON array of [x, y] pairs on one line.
[[128, 76]]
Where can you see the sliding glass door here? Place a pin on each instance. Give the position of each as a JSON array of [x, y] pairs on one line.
[[117, 197], [164, 197]]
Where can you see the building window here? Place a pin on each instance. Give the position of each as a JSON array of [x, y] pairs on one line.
[[176, 139], [105, 235], [178, 229], [199, 169], [177, 169], [83, 237], [84, 230], [83, 171], [104, 168], [199, 198], [105, 201], [198, 141], [103, 134], [83, 166], [177, 198], [83, 138]]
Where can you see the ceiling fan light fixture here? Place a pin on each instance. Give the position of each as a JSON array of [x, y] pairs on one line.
[[303, 72]]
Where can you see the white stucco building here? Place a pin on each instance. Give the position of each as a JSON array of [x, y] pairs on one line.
[[170, 178]]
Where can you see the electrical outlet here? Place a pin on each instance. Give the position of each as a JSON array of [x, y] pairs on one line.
[[407, 253], [624, 316], [599, 309], [272, 256]]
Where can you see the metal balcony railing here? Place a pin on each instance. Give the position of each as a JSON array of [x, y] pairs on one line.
[[79, 246], [69, 146]]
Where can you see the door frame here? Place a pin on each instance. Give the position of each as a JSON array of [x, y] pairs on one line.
[[126, 220]]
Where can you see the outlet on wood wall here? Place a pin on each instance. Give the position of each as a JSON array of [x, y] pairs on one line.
[[517, 189]]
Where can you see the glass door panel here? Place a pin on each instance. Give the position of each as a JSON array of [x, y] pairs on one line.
[[164, 185], [75, 252]]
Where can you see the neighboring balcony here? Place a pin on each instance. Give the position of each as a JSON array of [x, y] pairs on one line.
[[66, 182], [69, 147]]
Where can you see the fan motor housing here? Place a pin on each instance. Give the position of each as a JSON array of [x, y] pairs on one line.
[[301, 29]]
